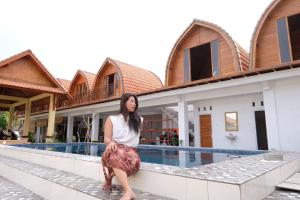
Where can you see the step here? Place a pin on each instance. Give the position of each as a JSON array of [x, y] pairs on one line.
[[10, 190], [283, 195], [292, 183], [57, 184]]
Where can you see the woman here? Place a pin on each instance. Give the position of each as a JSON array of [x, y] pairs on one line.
[[121, 136]]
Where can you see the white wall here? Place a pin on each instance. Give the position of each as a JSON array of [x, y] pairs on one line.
[[287, 98], [246, 136]]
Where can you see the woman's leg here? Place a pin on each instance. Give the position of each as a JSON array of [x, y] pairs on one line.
[[123, 180]]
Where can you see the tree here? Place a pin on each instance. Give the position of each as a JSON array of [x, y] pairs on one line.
[[4, 120]]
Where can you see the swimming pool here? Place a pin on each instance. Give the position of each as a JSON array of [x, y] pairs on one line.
[[175, 156]]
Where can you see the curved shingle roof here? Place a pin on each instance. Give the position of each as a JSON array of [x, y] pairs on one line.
[[65, 83], [134, 79], [257, 29], [89, 78], [240, 54]]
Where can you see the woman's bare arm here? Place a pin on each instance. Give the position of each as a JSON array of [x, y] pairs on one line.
[[108, 130]]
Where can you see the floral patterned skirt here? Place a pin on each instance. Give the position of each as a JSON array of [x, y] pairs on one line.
[[124, 158]]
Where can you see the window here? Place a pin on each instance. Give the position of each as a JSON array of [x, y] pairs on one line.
[[200, 62], [283, 40], [81, 89], [294, 30], [215, 57], [112, 84], [288, 29], [231, 121]]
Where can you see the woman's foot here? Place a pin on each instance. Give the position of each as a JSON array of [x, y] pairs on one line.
[[107, 186], [128, 195]]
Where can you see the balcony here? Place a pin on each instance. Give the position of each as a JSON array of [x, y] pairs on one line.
[[101, 93]]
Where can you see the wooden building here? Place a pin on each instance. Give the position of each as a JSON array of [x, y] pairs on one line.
[[115, 78], [25, 92], [204, 51], [81, 87], [276, 38]]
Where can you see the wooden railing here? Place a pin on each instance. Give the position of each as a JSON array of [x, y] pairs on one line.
[[101, 93], [80, 99]]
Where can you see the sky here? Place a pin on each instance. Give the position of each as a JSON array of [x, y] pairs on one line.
[[67, 35]]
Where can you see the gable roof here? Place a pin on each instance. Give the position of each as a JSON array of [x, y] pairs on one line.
[[241, 56], [9, 81], [134, 79]]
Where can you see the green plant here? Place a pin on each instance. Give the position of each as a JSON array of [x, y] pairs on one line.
[[31, 137], [4, 120]]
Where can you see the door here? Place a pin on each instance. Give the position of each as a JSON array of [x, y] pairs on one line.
[[261, 130], [205, 130]]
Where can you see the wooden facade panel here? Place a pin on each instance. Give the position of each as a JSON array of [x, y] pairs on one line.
[[107, 70], [205, 130], [30, 72], [267, 46], [199, 35], [79, 80]]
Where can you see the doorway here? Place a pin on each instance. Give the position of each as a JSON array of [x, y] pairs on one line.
[[205, 131], [261, 130]]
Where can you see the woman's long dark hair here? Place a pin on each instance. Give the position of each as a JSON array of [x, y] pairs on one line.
[[134, 121]]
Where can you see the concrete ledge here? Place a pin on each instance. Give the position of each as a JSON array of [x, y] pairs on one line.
[[8, 142], [184, 187], [42, 187]]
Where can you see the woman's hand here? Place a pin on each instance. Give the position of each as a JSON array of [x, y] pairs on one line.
[[111, 146]]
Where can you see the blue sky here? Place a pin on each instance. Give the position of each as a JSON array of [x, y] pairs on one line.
[[69, 35]]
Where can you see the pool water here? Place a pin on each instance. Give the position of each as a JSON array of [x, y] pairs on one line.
[[174, 156]]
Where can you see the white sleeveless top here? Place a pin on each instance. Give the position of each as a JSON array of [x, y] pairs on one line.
[[121, 132]]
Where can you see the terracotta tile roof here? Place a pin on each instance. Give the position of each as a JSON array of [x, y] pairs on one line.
[[30, 86], [65, 83], [241, 55], [20, 84], [90, 77], [137, 80]]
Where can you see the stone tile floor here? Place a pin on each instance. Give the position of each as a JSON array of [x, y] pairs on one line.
[[233, 171], [283, 195], [85, 185], [12, 191]]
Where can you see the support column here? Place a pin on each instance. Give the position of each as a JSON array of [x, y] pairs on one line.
[[27, 119], [38, 134], [11, 117], [95, 127], [70, 128], [271, 117], [183, 123], [196, 127], [51, 116]]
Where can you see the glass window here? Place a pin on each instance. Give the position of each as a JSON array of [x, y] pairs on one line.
[[215, 57], [283, 40], [186, 65]]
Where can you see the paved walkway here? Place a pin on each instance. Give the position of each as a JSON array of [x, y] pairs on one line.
[[12, 191], [73, 181]]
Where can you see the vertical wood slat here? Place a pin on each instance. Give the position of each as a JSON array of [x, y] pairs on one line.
[[186, 63], [283, 40], [215, 46], [106, 86], [205, 130]]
